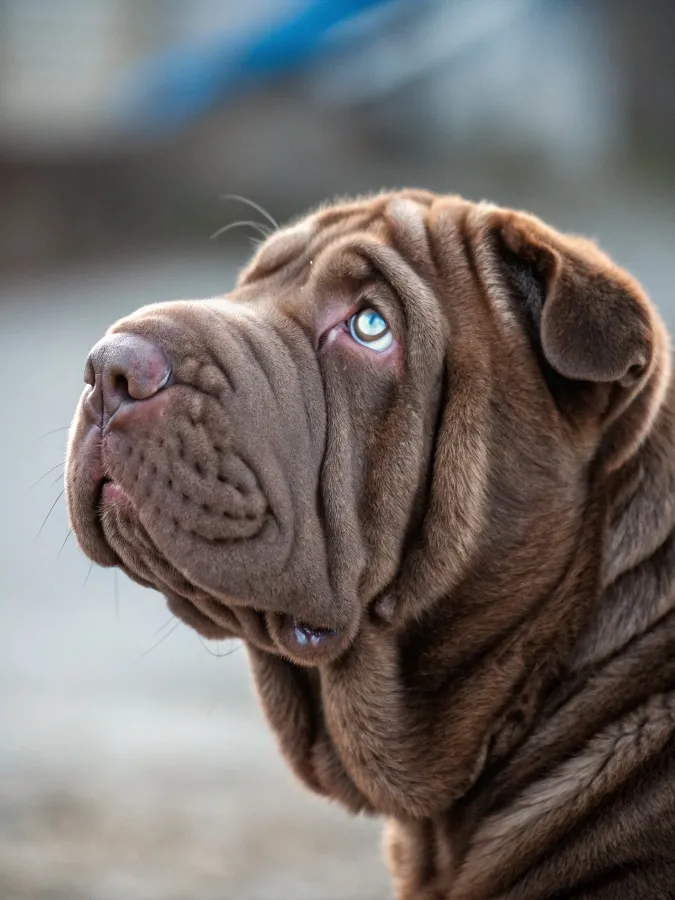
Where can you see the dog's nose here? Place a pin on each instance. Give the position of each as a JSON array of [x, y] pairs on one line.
[[126, 368]]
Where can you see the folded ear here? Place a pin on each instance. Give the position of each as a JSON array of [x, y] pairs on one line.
[[593, 321]]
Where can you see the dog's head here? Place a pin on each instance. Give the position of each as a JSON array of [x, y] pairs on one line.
[[397, 390]]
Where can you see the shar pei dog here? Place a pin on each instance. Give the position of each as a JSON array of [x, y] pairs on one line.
[[421, 461]]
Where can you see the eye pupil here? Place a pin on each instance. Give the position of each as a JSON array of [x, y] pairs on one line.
[[369, 328], [370, 324]]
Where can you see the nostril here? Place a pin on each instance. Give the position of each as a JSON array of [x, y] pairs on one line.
[[120, 385], [127, 367]]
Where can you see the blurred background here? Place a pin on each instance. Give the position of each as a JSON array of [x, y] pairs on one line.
[[134, 764]]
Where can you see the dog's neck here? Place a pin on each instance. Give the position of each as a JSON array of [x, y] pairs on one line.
[[638, 570], [445, 722], [422, 718]]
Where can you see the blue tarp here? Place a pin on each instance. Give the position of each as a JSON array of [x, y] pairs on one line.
[[183, 82]]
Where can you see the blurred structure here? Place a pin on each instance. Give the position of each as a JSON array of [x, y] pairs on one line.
[[134, 765], [122, 120]]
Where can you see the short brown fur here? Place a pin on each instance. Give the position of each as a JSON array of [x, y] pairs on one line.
[[485, 521]]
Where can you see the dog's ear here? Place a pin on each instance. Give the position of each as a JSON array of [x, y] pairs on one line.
[[591, 319]]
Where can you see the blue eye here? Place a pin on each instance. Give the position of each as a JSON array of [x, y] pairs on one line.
[[369, 329]]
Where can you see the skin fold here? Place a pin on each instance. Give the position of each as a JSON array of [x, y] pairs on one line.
[[421, 460]]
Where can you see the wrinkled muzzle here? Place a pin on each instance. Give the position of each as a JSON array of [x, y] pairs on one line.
[[195, 463]]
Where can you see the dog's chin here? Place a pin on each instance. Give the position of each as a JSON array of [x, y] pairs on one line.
[[299, 639], [301, 643]]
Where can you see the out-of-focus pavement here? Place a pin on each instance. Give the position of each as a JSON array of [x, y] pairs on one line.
[[135, 775]]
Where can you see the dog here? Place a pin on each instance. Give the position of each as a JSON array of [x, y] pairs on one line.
[[421, 460]]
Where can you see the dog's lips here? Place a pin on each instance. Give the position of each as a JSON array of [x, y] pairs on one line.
[[111, 494]]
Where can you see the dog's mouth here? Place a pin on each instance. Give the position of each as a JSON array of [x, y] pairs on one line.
[[303, 642], [111, 495]]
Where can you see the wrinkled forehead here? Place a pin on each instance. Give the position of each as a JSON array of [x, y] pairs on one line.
[[327, 256], [293, 249]]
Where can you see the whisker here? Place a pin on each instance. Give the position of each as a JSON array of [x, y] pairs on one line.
[[56, 481], [70, 531], [162, 639], [53, 431], [218, 655], [163, 627], [261, 209], [244, 222], [51, 510], [48, 472], [84, 583]]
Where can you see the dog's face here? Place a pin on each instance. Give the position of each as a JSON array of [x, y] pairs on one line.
[[397, 391]]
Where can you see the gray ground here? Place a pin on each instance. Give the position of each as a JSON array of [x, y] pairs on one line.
[[135, 775]]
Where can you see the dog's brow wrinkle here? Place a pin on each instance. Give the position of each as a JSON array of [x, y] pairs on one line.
[[490, 273], [406, 210]]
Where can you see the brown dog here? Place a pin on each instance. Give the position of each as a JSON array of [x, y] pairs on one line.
[[422, 460]]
